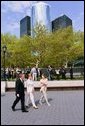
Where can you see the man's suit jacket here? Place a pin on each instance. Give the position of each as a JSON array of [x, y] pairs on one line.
[[19, 87]]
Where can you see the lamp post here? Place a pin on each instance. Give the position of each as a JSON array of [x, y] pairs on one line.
[[4, 51]]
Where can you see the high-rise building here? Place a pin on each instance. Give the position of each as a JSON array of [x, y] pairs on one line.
[[40, 14], [61, 22], [25, 26]]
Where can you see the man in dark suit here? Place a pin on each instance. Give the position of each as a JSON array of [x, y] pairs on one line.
[[71, 72], [20, 95]]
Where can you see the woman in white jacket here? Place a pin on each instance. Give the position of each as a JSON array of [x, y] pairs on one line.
[[30, 91], [43, 89]]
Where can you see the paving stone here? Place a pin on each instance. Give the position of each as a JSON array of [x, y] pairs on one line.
[[67, 108]]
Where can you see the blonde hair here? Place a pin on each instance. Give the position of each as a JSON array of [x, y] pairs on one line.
[[44, 75]]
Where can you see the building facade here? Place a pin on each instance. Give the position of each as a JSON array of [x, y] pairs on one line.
[[61, 22], [40, 14], [25, 26]]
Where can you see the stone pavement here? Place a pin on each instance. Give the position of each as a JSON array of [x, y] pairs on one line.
[[67, 108]]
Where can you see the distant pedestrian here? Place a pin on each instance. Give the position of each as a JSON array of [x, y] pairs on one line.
[[18, 70], [58, 73], [50, 72], [71, 72], [34, 73], [12, 72], [63, 72], [37, 71], [7, 73]]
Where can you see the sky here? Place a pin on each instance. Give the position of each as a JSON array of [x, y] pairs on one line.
[[13, 11]]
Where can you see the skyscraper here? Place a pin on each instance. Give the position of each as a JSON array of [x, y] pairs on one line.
[[40, 14], [25, 26], [61, 22]]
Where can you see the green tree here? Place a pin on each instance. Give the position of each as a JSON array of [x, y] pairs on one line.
[[56, 49]]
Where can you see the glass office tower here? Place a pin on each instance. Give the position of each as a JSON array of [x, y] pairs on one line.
[[40, 14], [25, 26], [61, 22]]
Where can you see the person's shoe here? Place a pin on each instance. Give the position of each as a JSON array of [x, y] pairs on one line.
[[24, 111], [26, 106], [48, 104], [13, 109], [35, 107]]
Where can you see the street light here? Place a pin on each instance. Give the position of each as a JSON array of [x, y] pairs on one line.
[[4, 51]]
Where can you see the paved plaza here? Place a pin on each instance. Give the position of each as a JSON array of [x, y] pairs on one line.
[[67, 108]]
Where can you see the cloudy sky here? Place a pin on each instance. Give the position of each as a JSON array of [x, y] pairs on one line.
[[13, 11]]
